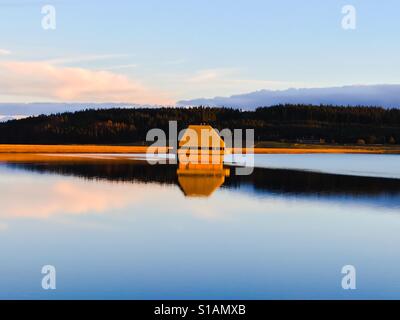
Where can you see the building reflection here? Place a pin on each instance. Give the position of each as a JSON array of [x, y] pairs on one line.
[[201, 182]]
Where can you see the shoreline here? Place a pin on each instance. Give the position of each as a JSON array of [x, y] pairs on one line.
[[110, 149]]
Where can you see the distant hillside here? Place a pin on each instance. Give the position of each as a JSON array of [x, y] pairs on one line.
[[22, 110], [277, 123], [387, 96]]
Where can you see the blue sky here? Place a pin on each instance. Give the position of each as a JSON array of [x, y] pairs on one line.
[[164, 51]]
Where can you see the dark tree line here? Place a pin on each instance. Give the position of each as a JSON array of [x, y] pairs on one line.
[[278, 123]]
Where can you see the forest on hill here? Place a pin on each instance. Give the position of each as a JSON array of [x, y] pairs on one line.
[[289, 123]]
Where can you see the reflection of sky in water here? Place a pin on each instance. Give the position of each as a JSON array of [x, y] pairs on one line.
[[112, 239], [353, 164], [380, 202]]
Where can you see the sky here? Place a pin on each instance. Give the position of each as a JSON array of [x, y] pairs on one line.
[[160, 52]]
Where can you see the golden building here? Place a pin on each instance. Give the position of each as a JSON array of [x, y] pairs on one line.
[[201, 147]]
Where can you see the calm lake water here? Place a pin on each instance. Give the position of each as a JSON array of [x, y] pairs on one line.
[[135, 231]]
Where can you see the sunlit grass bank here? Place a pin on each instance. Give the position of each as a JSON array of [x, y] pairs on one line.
[[44, 150]]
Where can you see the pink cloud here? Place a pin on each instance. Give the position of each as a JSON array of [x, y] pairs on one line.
[[46, 81]]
